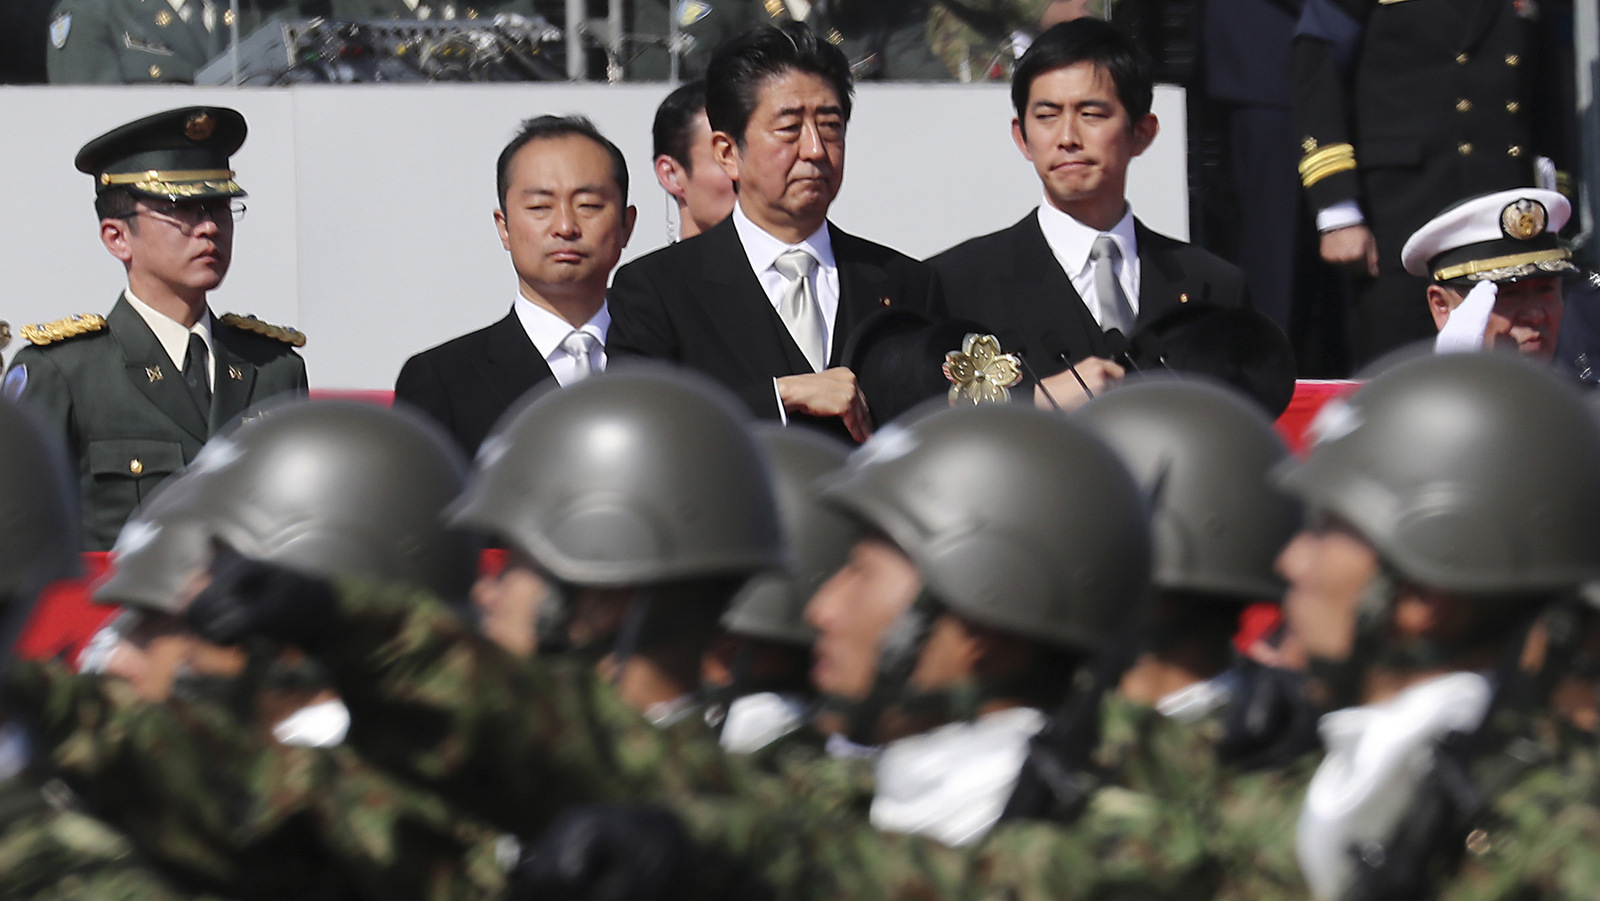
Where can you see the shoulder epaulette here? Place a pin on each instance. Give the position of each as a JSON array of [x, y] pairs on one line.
[[62, 329], [289, 336]]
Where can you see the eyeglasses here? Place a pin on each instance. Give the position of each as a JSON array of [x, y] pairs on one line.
[[186, 217]]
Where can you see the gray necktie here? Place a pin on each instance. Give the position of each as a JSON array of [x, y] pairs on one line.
[[1115, 311], [580, 345], [799, 308]]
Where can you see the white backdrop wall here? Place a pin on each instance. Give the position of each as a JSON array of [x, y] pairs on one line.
[[369, 221]]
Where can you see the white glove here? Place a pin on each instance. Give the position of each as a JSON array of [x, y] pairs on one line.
[[1463, 331]]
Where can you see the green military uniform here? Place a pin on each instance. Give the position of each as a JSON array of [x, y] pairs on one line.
[[227, 807], [515, 741], [973, 38], [106, 385], [50, 850], [114, 396], [145, 41]]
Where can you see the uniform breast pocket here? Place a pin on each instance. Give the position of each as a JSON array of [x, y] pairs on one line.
[[126, 470]]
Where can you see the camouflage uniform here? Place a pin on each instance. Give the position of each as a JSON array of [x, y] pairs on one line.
[[515, 741], [230, 809], [973, 37], [52, 852]]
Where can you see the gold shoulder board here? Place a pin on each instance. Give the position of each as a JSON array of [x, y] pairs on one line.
[[61, 329], [289, 336]]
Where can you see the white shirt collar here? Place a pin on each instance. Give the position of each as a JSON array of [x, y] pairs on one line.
[[763, 249], [173, 336], [547, 330], [1071, 240]]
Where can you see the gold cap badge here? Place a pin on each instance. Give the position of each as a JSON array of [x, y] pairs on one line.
[[200, 126], [1524, 219]]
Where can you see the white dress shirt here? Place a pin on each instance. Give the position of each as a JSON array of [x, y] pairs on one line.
[[174, 337], [1071, 241], [547, 330]]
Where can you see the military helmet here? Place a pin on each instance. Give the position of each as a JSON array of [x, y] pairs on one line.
[[39, 523], [1202, 453], [334, 488], [643, 475], [1017, 519], [157, 552], [1467, 472], [818, 537]]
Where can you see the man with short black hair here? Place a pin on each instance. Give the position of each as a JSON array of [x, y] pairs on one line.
[[135, 394], [1080, 265], [683, 162], [564, 217], [764, 301]]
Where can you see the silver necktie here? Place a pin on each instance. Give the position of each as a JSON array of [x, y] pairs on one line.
[[799, 308], [1115, 311], [581, 346]]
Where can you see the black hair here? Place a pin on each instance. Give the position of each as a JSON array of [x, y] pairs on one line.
[[1093, 41], [115, 203], [675, 122], [546, 127], [741, 65]]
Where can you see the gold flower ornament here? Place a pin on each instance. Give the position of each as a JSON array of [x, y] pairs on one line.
[[979, 373]]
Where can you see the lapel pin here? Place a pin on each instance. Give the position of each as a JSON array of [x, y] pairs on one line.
[[884, 301], [1183, 298], [153, 373], [235, 374]]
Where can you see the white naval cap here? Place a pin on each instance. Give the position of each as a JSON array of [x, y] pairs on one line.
[[1502, 237]]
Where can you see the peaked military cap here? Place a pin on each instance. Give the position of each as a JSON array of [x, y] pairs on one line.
[[180, 154], [1501, 237]]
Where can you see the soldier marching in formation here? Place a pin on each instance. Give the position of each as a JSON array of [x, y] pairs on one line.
[[990, 653]]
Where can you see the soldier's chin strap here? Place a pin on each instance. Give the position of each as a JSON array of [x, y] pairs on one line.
[[897, 657], [1056, 781], [554, 616], [1342, 679]]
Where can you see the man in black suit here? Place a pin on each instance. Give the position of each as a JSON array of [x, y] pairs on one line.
[[764, 301], [564, 218], [1053, 285]]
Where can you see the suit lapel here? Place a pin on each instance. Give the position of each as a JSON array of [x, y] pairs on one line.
[[235, 379], [1162, 283], [739, 309], [152, 371], [511, 364], [862, 290]]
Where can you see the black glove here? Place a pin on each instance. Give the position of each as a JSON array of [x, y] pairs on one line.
[[254, 599], [605, 853]]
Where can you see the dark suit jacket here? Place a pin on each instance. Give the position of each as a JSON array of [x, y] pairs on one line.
[[1011, 282], [126, 415], [697, 303], [467, 383]]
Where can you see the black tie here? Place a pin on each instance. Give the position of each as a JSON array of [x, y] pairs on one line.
[[194, 372]]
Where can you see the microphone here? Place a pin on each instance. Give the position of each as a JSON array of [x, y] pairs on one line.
[[1010, 344], [1120, 349], [1056, 346]]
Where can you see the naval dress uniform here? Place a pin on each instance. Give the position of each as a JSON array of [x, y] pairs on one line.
[[1403, 107]]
